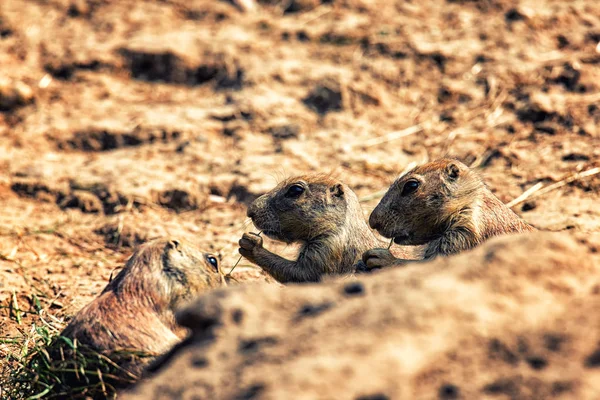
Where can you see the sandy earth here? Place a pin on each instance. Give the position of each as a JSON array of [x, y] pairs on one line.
[[513, 319], [125, 120]]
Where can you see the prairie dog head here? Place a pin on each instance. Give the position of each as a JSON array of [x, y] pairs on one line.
[[302, 208], [166, 272], [420, 205]]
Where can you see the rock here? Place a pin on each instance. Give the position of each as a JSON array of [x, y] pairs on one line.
[[514, 318]]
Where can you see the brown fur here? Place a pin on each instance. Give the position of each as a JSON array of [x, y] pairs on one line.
[[451, 211], [326, 219], [135, 312]]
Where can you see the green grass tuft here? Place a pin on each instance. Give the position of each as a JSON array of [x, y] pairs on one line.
[[49, 366]]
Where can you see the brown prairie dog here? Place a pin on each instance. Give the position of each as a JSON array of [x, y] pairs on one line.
[[136, 310], [317, 211], [443, 205]]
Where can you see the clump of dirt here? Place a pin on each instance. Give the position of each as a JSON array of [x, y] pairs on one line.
[[181, 62], [14, 95], [39, 190], [118, 234], [294, 6], [325, 96], [181, 200], [103, 140], [97, 198], [466, 326], [85, 201], [284, 131]]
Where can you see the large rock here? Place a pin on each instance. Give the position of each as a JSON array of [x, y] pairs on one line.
[[513, 319]]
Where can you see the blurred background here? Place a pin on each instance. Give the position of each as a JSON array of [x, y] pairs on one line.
[[125, 120]]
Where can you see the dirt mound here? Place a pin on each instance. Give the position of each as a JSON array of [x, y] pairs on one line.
[[512, 318]]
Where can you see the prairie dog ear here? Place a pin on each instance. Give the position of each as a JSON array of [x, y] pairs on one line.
[[174, 244], [453, 171], [337, 190]]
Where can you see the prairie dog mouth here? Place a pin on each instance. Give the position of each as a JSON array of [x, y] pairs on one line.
[[401, 239]]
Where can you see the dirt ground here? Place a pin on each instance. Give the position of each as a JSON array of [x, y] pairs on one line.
[[125, 120]]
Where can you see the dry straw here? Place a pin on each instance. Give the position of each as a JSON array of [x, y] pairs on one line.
[[539, 190], [393, 136]]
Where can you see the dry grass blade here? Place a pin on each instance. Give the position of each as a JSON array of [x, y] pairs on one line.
[[47, 365], [525, 195], [315, 14], [392, 136], [537, 190], [232, 268], [15, 308], [101, 382]]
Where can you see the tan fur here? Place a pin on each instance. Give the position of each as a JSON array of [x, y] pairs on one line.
[[326, 219], [135, 312], [451, 211]]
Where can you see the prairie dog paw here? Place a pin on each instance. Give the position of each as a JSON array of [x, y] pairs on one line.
[[250, 243], [378, 258]]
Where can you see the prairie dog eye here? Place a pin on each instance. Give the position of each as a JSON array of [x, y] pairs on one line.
[[294, 191], [212, 260], [410, 187]]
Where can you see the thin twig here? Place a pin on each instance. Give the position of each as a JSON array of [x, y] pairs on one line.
[[392, 136], [315, 14], [228, 275], [531, 193], [525, 195]]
